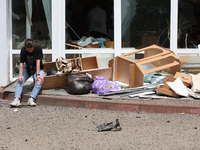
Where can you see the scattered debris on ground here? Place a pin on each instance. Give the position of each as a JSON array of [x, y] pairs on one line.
[[159, 73]]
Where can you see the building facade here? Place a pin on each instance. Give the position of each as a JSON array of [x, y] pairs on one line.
[[60, 25]]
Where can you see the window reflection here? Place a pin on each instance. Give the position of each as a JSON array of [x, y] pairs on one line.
[[102, 59], [89, 23], [145, 23], [188, 23], [16, 62], [40, 17]]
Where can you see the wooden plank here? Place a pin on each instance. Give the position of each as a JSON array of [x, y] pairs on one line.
[[54, 81]]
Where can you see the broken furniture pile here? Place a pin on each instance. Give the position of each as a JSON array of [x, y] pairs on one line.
[[157, 63], [87, 65]]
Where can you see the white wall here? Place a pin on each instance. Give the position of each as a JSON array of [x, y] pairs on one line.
[[4, 42]]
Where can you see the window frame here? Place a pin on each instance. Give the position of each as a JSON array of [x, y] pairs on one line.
[[58, 37]]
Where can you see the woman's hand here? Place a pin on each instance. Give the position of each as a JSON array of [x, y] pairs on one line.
[[20, 79], [40, 79]]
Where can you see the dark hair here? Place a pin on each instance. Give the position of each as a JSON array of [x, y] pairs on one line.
[[97, 2], [29, 43]]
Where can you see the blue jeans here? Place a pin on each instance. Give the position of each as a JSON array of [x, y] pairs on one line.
[[37, 87]]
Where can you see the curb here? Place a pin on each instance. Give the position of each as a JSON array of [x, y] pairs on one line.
[[104, 104]]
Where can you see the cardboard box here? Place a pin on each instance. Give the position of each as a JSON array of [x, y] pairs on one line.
[[131, 71], [88, 65]]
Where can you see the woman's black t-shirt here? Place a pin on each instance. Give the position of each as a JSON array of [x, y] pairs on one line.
[[30, 58]]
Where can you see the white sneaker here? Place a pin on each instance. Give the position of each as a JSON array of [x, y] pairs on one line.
[[31, 102], [15, 103]]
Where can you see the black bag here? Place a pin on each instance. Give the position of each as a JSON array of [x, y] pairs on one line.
[[30, 70], [52, 71], [78, 84]]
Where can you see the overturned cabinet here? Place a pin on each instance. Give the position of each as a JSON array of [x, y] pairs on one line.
[[131, 71], [88, 65]]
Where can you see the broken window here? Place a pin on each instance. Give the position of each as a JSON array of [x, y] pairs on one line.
[[145, 23], [30, 19], [89, 24], [188, 23]]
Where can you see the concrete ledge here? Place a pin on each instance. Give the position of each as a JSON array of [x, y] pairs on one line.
[[99, 103]]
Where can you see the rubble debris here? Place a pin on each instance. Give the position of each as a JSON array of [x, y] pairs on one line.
[[153, 97], [195, 83], [157, 78], [178, 87], [131, 72], [109, 126], [134, 89], [167, 90], [87, 65], [138, 92], [160, 68], [16, 110], [142, 93], [193, 94]]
